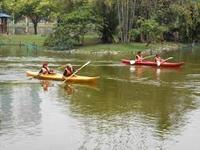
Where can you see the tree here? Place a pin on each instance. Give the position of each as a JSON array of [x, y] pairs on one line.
[[13, 7], [151, 30], [108, 16], [187, 20], [73, 25], [122, 17], [36, 10], [126, 16]]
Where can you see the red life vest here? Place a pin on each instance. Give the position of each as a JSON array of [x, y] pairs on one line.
[[45, 70], [68, 71]]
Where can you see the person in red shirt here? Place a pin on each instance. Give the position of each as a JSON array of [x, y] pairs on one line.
[[69, 70]]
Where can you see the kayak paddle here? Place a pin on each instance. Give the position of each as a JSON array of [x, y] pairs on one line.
[[133, 61], [61, 67], [159, 63], [148, 57], [67, 78]]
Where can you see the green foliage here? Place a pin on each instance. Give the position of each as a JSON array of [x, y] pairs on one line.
[[149, 26], [60, 39], [188, 21], [72, 28], [13, 8], [79, 22], [125, 20], [108, 16], [134, 34], [34, 9], [152, 30]]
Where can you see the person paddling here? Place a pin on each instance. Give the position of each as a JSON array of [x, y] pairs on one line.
[[158, 60], [139, 57], [69, 70], [46, 70]]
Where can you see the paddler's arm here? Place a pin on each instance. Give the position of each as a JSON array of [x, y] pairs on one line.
[[64, 78]]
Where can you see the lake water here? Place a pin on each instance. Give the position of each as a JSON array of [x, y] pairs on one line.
[[129, 108]]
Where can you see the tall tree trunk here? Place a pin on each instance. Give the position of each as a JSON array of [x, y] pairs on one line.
[[142, 38], [13, 24], [35, 27], [132, 6], [126, 13], [120, 20], [35, 20], [27, 25]]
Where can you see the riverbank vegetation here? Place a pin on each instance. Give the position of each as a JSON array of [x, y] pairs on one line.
[[122, 22], [128, 21], [91, 44]]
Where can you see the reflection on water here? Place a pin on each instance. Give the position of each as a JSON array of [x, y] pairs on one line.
[[20, 111], [130, 107], [155, 73], [46, 84]]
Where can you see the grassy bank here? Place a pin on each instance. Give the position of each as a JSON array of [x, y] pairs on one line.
[[128, 47], [91, 44], [17, 39]]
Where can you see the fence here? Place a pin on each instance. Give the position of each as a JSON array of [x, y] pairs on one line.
[[28, 46]]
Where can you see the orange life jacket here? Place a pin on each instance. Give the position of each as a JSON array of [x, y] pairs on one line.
[[68, 71], [45, 70]]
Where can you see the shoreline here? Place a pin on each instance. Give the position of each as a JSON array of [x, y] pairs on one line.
[[149, 51], [95, 48]]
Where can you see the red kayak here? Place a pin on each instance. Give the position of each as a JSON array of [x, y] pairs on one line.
[[151, 63]]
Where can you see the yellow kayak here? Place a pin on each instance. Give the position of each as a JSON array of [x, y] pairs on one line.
[[59, 77]]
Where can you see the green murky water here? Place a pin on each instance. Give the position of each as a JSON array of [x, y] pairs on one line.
[[128, 108]]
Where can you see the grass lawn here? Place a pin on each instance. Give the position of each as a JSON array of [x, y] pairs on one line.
[[16, 39]]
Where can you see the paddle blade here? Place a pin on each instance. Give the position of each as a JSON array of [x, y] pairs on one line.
[[158, 63], [132, 62], [169, 58]]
